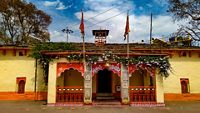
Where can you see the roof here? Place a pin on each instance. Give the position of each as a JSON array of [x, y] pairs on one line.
[[121, 49], [136, 49]]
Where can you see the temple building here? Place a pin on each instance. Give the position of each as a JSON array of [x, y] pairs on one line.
[[105, 75], [100, 73]]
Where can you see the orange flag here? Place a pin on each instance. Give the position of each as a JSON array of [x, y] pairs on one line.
[[127, 29], [81, 27]]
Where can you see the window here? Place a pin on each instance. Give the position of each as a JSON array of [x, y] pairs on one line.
[[21, 81], [184, 85]]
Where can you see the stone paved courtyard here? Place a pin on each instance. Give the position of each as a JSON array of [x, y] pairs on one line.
[[39, 107]]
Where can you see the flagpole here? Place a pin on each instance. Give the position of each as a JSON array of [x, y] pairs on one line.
[[83, 48], [128, 39], [83, 37], [128, 45], [150, 31]]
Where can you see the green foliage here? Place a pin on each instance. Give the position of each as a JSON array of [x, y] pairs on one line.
[[45, 59], [189, 11], [23, 23]]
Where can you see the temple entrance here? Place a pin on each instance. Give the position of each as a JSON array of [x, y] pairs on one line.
[[104, 81]]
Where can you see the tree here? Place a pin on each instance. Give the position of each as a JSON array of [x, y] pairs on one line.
[[22, 23], [188, 10]]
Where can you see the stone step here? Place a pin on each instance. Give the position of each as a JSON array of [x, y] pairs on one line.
[[105, 97], [104, 94], [107, 104]]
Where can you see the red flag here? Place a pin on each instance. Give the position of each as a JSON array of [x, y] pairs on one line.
[[82, 23], [127, 29]]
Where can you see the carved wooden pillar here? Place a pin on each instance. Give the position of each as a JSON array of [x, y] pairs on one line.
[[125, 85], [88, 84]]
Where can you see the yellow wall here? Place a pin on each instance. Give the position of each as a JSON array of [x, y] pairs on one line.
[[19, 66], [13, 67], [183, 67]]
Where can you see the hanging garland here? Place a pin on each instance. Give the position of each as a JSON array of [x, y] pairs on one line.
[[150, 62]]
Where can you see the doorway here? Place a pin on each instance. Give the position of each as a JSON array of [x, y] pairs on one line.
[[104, 81]]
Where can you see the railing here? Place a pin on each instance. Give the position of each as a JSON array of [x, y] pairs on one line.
[[142, 93], [69, 94]]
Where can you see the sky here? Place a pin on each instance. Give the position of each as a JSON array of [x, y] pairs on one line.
[[110, 15]]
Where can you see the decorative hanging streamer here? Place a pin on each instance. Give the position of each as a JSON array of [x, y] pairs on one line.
[[114, 67], [132, 68]]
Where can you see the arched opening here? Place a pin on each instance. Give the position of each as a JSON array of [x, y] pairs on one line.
[[21, 87], [142, 86], [70, 77], [70, 86]]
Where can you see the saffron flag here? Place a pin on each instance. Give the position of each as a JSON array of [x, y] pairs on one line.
[[127, 29], [81, 27]]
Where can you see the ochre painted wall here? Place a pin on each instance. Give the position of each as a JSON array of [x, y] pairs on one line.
[[183, 67], [11, 67]]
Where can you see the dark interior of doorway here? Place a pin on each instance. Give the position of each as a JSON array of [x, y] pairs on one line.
[[104, 81]]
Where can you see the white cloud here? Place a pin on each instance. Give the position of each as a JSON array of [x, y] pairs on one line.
[[58, 4], [139, 25], [58, 36], [49, 3]]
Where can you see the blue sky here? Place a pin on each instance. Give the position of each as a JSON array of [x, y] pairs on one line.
[[67, 13]]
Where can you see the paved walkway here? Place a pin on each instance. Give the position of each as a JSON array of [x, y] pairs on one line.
[[39, 107]]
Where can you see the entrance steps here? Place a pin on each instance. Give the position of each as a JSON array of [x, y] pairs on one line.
[[105, 96], [106, 100], [107, 103]]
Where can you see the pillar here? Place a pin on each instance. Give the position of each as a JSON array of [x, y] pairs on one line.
[[88, 85], [159, 89], [125, 85], [51, 96]]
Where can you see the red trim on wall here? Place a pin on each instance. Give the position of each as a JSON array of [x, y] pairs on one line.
[[20, 78], [181, 97], [24, 96]]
